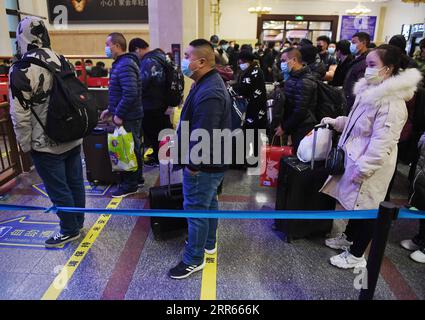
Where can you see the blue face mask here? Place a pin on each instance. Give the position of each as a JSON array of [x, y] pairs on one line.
[[108, 52], [285, 70], [331, 51], [186, 69], [353, 49]]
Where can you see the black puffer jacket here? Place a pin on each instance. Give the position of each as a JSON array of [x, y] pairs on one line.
[[318, 69], [125, 88], [154, 81], [418, 197], [300, 104], [355, 73]]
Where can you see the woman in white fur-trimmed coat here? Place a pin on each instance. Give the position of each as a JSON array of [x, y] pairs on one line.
[[369, 138]]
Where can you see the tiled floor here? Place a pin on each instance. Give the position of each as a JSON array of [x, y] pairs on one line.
[[253, 262]]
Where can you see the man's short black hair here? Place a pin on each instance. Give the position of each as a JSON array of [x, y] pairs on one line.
[[247, 47], [223, 42], [201, 43], [309, 53], [305, 42], [343, 46], [293, 53], [214, 39], [88, 62], [100, 64], [137, 43], [119, 39], [324, 38], [399, 41], [246, 55], [363, 37]]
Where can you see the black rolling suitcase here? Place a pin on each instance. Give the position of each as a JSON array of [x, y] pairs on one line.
[[298, 189], [167, 197], [98, 164]]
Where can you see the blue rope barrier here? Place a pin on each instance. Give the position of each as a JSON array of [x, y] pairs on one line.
[[225, 214]]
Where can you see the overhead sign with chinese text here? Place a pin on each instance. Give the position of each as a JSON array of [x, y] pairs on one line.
[[100, 11], [353, 24]]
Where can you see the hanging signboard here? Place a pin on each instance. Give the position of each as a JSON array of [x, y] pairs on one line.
[[99, 11], [353, 24]]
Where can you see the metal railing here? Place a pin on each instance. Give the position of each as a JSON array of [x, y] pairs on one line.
[[10, 160]]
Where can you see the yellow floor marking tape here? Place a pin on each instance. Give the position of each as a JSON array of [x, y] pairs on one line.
[[65, 275], [209, 278]]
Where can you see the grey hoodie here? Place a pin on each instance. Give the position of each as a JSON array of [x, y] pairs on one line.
[[30, 86]]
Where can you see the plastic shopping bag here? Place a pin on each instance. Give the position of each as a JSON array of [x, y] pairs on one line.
[[322, 149], [121, 151]]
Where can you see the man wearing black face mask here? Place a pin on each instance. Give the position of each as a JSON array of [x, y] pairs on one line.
[[322, 45]]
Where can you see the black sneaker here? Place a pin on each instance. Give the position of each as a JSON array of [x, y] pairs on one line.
[[151, 163], [59, 240], [122, 193], [141, 183], [182, 271]]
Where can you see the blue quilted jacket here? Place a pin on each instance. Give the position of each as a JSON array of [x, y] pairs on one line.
[[125, 88]]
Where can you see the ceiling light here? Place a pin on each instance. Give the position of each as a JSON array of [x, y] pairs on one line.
[[358, 10], [260, 10]]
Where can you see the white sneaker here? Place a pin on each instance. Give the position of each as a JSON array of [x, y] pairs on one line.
[[418, 256], [346, 260], [211, 252], [409, 245], [339, 243]]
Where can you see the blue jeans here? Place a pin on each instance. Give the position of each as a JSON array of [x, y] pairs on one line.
[[130, 180], [200, 193], [64, 182]]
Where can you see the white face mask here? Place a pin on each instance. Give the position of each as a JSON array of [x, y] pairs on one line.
[[372, 75]]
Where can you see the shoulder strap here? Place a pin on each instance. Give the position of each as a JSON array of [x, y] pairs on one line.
[[352, 127], [48, 67], [40, 63]]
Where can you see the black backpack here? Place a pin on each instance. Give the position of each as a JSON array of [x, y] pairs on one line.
[[174, 83], [331, 102], [71, 113]]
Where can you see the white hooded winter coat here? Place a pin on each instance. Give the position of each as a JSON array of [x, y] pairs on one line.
[[377, 119]]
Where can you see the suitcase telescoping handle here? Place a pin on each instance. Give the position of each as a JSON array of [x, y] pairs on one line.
[[316, 129]]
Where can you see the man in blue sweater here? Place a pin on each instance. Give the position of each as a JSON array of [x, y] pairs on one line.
[[207, 108], [125, 104]]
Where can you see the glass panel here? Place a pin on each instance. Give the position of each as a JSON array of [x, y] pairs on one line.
[[320, 25], [274, 25], [317, 34], [297, 35], [13, 22], [290, 25], [13, 44], [272, 35], [11, 4]]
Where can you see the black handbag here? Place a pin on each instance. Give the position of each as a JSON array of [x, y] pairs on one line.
[[335, 162]]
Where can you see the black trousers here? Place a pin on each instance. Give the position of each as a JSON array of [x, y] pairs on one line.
[[153, 123], [419, 239], [360, 232]]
